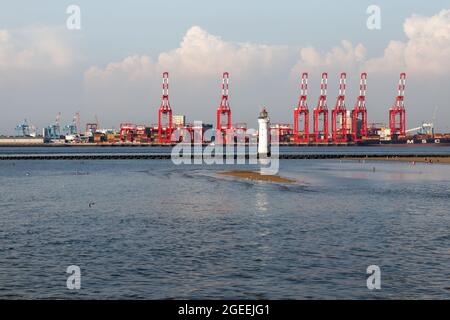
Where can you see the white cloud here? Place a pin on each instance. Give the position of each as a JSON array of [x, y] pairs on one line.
[[392, 60], [132, 68], [427, 49], [203, 53], [34, 48], [200, 54], [342, 58]]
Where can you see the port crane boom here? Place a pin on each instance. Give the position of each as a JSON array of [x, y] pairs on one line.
[[321, 112], [301, 112], [339, 113], [397, 113], [223, 111], [359, 113], [165, 125]]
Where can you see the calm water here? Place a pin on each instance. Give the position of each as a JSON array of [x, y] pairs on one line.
[[158, 230]]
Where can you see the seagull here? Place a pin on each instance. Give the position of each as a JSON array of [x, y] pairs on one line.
[[91, 204]]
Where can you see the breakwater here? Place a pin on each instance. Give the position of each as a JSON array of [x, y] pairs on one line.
[[167, 156]]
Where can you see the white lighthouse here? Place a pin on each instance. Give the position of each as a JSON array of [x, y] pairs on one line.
[[263, 133]]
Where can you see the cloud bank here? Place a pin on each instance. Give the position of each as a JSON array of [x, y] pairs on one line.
[[199, 54], [427, 49], [34, 48]]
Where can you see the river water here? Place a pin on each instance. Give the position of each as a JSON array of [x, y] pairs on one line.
[[157, 230], [437, 149]]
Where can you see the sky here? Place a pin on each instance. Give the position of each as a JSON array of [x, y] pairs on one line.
[[111, 67]]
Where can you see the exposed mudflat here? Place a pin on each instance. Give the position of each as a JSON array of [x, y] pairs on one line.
[[255, 175]]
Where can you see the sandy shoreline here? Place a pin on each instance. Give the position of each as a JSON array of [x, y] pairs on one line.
[[256, 175], [442, 160]]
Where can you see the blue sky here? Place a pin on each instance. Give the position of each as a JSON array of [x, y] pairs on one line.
[[112, 29], [111, 32]]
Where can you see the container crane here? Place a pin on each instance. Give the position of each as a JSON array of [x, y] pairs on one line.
[[339, 113], [397, 113], [53, 132], [223, 111], [425, 128], [359, 113], [73, 128], [301, 112], [26, 129], [165, 125], [321, 113]]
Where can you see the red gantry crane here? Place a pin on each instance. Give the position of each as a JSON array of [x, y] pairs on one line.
[[127, 132], [223, 111], [397, 113], [359, 113], [165, 126], [301, 113], [321, 111], [339, 113]]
